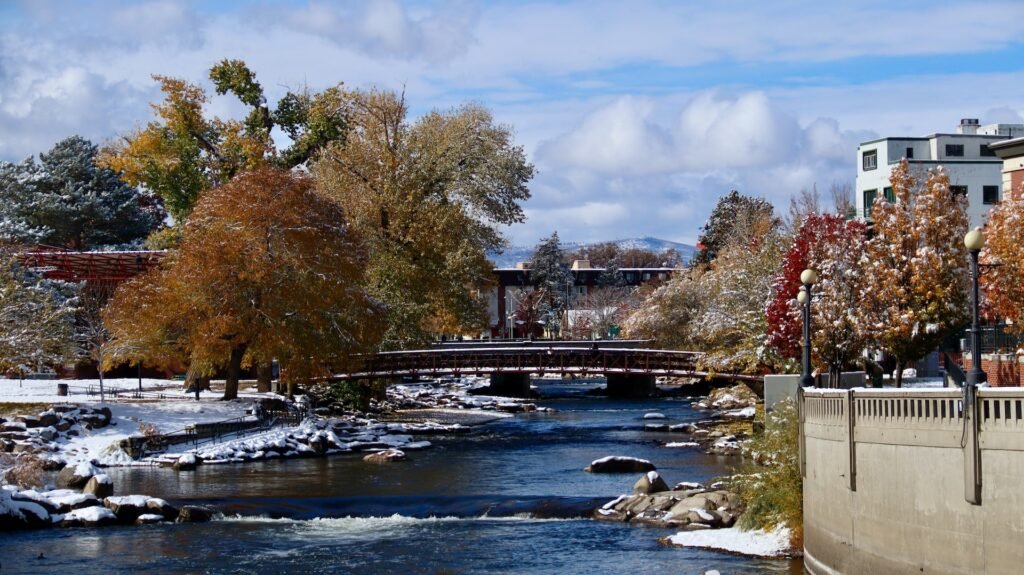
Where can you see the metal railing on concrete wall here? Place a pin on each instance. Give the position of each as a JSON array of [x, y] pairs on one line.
[[947, 458]]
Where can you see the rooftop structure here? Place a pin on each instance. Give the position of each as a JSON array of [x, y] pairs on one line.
[[973, 167]]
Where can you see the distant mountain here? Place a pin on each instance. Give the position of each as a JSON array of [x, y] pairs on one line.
[[515, 254]]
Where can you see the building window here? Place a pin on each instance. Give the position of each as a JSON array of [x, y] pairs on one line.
[[890, 196], [990, 194], [647, 275], [869, 200], [958, 190], [955, 150], [986, 152], [869, 160], [910, 153]]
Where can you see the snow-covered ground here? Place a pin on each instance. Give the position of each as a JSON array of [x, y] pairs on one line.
[[734, 540], [171, 413], [87, 390]]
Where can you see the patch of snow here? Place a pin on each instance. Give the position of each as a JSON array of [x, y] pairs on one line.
[[618, 458], [704, 515], [753, 543], [90, 514], [652, 476], [654, 415], [682, 444], [132, 500]]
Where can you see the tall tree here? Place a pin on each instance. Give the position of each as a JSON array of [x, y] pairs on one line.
[[733, 213], [1004, 245], [185, 152], [915, 274], [832, 246], [267, 268], [66, 200], [549, 272], [36, 320], [429, 196]]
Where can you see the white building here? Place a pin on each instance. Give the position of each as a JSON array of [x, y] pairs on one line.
[[973, 168]]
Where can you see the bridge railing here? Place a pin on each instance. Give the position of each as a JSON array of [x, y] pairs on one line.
[[538, 359]]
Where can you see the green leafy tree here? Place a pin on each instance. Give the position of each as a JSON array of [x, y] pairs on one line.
[[66, 200], [429, 196], [185, 152]]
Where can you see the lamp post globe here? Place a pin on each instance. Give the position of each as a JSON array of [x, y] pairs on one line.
[[808, 278], [974, 241]]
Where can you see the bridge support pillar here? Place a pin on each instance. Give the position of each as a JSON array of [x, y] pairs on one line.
[[510, 385], [631, 385]]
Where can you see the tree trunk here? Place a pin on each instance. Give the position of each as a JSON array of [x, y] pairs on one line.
[[898, 377], [264, 376], [234, 371]]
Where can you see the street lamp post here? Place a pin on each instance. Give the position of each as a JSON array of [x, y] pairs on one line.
[[974, 241], [807, 277]]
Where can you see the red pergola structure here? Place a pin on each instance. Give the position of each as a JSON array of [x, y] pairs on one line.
[[89, 267]]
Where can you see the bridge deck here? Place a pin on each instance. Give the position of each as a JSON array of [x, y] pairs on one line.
[[535, 359]]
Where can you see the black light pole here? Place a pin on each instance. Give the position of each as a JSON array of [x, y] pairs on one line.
[[807, 278], [974, 241]]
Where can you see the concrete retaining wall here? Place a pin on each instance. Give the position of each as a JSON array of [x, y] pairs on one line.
[[888, 475]]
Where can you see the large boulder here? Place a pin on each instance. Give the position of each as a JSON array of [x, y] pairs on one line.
[[650, 483], [729, 398], [619, 464], [68, 500], [386, 456], [127, 508], [187, 462], [149, 518], [20, 513], [89, 517], [48, 418], [194, 514], [160, 507], [76, 476]]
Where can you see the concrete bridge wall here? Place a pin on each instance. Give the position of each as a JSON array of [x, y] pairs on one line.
[[888, 475]]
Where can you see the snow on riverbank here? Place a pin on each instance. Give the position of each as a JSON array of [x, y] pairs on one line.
[[85, 390], [754, 543]]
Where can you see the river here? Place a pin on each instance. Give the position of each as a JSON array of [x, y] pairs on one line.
[[505, 499]]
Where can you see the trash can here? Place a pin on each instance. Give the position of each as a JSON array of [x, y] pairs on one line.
[[62, 389]]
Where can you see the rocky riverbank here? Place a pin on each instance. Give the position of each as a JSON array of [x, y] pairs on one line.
[[731, 417]]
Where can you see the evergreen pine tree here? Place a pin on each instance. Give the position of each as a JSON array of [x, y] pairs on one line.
[[66, 200], [549, 272]]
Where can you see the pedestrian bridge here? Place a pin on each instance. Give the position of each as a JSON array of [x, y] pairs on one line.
[[630, 369]]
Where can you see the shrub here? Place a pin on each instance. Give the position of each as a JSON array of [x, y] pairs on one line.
[[771, 487]]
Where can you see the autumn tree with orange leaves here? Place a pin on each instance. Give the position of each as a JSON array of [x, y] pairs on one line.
[[915, 266], [267, 268], [1004, 246]]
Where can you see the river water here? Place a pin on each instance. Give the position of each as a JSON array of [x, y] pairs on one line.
[[508, 498]]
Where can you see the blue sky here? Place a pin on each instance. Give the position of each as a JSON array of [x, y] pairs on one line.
[[638, 115]]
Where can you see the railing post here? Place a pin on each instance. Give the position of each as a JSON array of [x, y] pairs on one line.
[[971, 447], [801, 442], [851, 441]]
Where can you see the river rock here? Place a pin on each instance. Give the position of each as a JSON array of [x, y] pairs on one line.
[[386, 456], [89, 517], [686, 510], [75, 477], [35, 497], [683, 428], [19, 513], [161, 507], [62, 425], [187, 462], [48, 418], [30, 421], [194, 514], [650, 483], [149, 518], [729, 398], [619, 464], [48, 433], [127, 508], [654, 415], [68, 499]]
